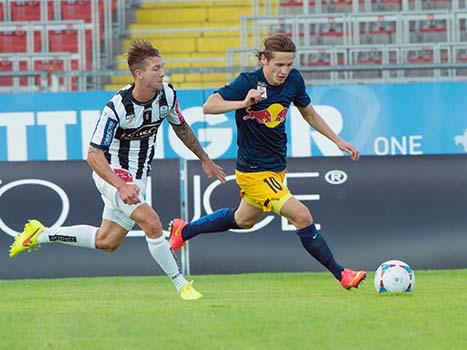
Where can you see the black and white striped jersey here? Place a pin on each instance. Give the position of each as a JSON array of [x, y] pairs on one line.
[[127, 129]]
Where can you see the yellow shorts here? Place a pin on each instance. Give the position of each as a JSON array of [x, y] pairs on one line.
[[264, 190]]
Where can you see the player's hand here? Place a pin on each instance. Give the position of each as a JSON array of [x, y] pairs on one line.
[[253, 97], [212, 169], [347, 147], [129, 193]]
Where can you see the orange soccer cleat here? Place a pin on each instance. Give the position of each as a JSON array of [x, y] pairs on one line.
[[352, 279], [175, 239]]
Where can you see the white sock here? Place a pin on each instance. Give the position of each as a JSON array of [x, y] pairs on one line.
[[160, 251], [79, 235]]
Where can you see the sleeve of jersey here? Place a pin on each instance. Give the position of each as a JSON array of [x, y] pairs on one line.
[[175, 115], [235, 90], [302, 99], [105, 129]]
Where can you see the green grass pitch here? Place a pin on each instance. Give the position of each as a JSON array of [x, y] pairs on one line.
[[252, 311]]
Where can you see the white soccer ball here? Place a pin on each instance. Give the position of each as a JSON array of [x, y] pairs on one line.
[[394, 276]]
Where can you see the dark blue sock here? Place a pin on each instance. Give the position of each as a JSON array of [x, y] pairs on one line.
[[221, 220], [315, 244]]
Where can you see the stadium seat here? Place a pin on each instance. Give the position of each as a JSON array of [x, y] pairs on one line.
[[340, 5], [369, 57], [82, 10], [330, 34], [437, 5], [50, 66], [377, 32], [170, 15], [6, 65], [420, 56], [76, 9], [316, 59], [13, 41], [431, 26], [63, 40], [1, 10], [67, 41], [386, 5], [461, 55], [428, 30], [30, 10]]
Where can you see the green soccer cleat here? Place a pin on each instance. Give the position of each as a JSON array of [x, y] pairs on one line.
[[188, 292], [27, 240]]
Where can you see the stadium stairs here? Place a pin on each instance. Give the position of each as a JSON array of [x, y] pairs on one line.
[[188, 34]]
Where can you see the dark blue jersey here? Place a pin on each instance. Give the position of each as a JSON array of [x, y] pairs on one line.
[[261, 137]]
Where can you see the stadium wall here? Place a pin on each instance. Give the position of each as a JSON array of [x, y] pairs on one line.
[[405, 119], [410, 208]]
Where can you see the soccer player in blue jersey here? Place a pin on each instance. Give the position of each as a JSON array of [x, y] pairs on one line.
[[261, 100]]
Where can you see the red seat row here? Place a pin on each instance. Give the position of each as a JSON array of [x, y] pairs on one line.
[[70, 10], [49, 65], [59, 41]]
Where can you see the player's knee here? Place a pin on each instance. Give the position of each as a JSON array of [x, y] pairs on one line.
[[108, 244], [111, 247], [245, 223], [303, 218], [151, 226]]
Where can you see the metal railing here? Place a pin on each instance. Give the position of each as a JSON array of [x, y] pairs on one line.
[[112, 23], [345, 29], [287, 7]]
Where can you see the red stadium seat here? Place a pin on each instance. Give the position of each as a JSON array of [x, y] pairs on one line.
[[332, 29], [319, 62], [82, 9], [389, 1], [30, 10], [369, 58], [461, 55], [291, 3], [433, 26], [37, 41], [79, 9], [67, 41], [1, 11], [63, 40], [382, 28], [13, 41], [50, 66], [420, 56], [23, 66], [6, 66]]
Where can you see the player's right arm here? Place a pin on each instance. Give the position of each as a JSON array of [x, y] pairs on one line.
[[129, 193], [100, 142], [217, 105]]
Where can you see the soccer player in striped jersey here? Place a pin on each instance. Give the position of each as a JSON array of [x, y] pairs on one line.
[[261, 100], [120, 154]]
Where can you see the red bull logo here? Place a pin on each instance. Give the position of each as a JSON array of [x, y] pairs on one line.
[[271, 117]]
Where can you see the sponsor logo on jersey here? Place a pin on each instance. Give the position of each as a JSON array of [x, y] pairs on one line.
[[143, 132], [271, 117], [109, 132]]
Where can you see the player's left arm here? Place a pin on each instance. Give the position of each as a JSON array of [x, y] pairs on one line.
[[186, 135], [317, 122]]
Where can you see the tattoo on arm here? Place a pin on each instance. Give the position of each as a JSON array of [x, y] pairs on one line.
[[185, 133]]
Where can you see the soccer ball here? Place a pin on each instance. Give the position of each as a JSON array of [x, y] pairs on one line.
[[394, 276]]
